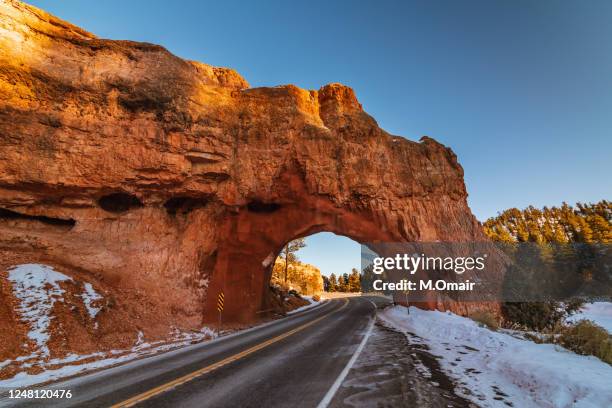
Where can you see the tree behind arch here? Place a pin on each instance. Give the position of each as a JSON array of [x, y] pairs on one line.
[[289, 251]]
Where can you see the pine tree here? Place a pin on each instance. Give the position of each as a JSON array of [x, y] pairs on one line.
[[333, 283], [343, 283], [289, 251], [601, 228], [325, 283], [354, 283]]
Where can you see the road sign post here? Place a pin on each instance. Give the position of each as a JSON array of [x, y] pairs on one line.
[[220, 306]]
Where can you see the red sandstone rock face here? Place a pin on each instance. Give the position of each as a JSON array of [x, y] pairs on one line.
[[163, 181]]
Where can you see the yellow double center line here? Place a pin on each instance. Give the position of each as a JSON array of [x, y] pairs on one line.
[[186, 378]]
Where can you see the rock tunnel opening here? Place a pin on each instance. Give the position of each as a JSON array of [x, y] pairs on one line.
[[252, 236], [320, 262]]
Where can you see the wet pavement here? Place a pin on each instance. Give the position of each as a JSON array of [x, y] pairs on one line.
[[391, 372]]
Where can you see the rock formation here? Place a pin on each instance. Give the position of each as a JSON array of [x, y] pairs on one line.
[[302, 277], [164, 181]]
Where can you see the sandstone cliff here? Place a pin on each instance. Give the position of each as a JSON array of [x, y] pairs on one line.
[[162, 181]]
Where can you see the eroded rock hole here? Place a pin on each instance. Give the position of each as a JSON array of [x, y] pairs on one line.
[[184, 205], [59, 222], [119, 202], [261, 207]]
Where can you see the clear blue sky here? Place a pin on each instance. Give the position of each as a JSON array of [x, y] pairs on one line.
[[521, 90]]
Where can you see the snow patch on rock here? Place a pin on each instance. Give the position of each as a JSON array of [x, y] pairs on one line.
[[90, 296], [37, 287]]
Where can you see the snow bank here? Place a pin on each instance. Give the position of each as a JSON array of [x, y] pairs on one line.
[[494, 368], [598, 312]]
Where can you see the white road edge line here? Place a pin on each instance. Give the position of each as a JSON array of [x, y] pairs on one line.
[[334, 388]]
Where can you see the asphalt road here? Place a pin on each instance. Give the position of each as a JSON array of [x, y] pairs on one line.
[[292, 362]]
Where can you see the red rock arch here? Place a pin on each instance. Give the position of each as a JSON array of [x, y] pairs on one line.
[[178, 179], [250, 239], [251, 242]]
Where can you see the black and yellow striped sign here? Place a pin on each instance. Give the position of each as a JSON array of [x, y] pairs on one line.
[[220, 301]]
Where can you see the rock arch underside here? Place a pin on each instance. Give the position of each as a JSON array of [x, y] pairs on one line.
[[163, 181]]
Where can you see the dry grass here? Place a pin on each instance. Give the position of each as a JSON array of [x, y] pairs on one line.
[[587, 338], [486, 319]]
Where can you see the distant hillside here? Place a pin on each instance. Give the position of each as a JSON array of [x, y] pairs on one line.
[[586, 223]]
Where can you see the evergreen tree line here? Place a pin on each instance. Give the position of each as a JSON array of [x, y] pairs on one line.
[[584, 223], [343, 283], [566, 259]]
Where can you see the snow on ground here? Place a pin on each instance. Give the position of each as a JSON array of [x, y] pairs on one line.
[[23, 379], [313, 303], [37, 289], [72, 364], [598, 312], [492, 368], [89, 297]]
